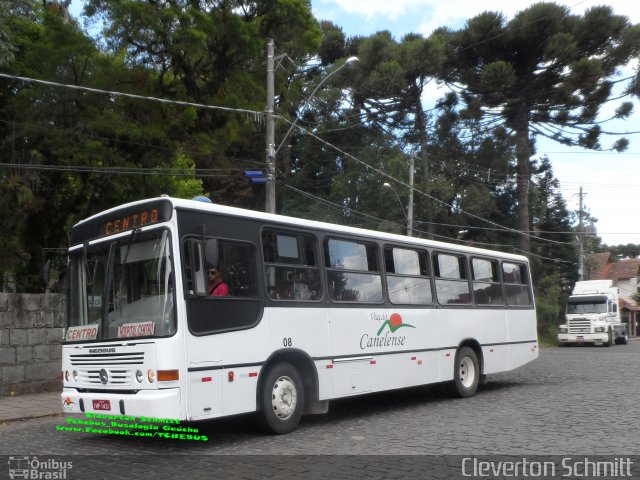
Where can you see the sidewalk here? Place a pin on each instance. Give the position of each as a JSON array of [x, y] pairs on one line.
[[32, 405]]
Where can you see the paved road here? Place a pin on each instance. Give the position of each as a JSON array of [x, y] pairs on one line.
[[571, 401]]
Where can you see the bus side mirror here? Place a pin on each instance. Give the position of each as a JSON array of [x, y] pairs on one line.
[[211, 252], [196, 267]]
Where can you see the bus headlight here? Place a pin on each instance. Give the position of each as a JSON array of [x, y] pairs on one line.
[[67, 375], [599, 329], [139, 376], [75, 375], [563, 329], [151, 375]]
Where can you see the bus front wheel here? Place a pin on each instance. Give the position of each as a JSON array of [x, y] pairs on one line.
[[466, 373], [282, 399]]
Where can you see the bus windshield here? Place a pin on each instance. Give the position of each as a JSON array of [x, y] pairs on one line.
[[577, 307], [135, 276]]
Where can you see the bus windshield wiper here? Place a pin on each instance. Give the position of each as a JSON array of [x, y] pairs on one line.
[[134, 234]]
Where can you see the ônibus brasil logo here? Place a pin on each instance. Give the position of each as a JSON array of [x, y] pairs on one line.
[[393, 323]]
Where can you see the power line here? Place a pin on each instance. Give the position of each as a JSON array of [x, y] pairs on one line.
[[176, 172], [258, 115], [177, 149], [342, 208], [400, 182], [210, 173]]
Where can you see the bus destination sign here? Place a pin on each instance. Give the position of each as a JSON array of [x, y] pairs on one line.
[[82, 332], [129, 222], [122, 220]]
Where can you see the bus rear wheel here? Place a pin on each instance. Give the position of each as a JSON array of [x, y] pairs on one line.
[[466, 373], [282, 399]]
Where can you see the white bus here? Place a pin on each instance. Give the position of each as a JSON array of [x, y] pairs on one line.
[[311, 312]]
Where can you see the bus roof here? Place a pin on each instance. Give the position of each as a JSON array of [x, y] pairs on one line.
[[179, 203]]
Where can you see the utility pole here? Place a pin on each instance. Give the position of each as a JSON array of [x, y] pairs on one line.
[[580, 240], [270, 200], [410, 206]]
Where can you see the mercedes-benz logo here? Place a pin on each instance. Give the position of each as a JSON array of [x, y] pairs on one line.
[[104, 376]]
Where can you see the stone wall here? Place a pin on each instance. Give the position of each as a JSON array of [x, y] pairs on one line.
[[31, 329]]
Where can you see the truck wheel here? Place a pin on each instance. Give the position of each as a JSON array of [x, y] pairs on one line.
[[281, 399], [466, 373], [609, 341]]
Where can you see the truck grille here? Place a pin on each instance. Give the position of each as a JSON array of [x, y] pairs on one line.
[[579, 325]]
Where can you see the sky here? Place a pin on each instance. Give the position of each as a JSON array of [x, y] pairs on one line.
[[611, 181]]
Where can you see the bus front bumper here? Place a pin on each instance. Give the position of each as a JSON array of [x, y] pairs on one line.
[[162, 403], [583, 337]]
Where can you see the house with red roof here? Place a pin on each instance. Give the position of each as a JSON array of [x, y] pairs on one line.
[[625, 275]]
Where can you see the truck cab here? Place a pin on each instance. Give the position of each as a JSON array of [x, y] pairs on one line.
[[592, 315]]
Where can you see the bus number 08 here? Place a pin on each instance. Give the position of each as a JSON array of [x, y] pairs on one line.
[[287, 342]]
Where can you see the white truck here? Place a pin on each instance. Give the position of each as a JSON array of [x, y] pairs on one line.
[[592, 315]]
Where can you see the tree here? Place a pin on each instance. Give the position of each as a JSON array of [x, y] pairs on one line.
[[554, 236], [212, 52], [544, 73], [62, 141], [630, 250], [14, 12], [390, 82]]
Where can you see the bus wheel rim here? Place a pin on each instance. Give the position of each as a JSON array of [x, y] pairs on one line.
[[284, 397], [467, 372]]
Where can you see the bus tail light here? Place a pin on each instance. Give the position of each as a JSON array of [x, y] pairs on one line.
[[168, 375], [231, 376]]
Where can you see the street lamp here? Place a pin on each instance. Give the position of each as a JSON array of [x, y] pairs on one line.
[[349, 61], [271, 152], [409, 222]]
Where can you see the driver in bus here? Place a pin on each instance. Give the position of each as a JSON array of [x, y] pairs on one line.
[[217, 287]]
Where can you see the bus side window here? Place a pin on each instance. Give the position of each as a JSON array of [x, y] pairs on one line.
[[452, 286], [353, 274], [237, 264], [291, 266], [407, 276], [516, 284], [487, 289]]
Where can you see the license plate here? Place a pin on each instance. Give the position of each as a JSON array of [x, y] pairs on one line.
[[101, 405], [579, 339]]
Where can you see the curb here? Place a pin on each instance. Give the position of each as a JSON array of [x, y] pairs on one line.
[[29, 417]]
